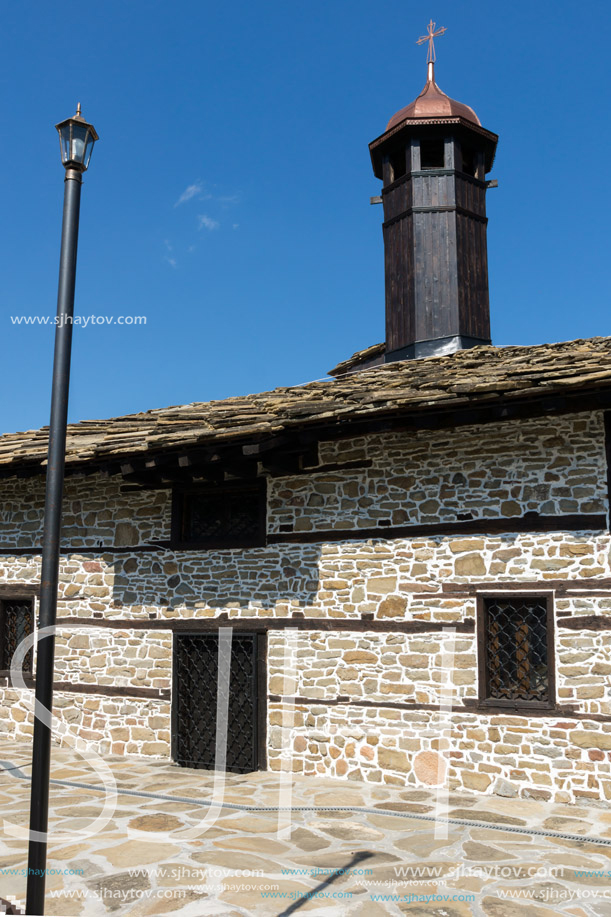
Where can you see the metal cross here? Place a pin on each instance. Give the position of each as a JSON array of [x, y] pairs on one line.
[[430, 36]]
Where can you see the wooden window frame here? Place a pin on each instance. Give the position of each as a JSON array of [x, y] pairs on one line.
[[181, 494], [497, 704], [261, 644], [13, 599]]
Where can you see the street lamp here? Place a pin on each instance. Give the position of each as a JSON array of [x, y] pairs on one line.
[[76, 139]]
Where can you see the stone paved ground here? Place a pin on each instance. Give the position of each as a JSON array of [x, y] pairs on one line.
[[153, 856]]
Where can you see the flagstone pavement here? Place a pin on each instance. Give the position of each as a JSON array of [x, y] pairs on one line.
[[345, 848]]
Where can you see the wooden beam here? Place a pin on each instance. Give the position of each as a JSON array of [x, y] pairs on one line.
[[589, 522], [260, 624]]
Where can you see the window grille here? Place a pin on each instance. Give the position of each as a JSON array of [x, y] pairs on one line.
[[516, 650], [16, 622], [224, 516], [195, 702]]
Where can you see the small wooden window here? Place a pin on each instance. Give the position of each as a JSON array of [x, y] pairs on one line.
[[469, 161], [16, 622], [516, 651], [432, 154], [398, 164], [225, 516]]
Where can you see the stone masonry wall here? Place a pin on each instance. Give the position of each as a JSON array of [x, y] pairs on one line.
[[552, 466], [547, 465], [111, 725]]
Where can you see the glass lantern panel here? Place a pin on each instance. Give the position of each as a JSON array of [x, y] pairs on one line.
[[80, 134], [88, 150], [64, 142]]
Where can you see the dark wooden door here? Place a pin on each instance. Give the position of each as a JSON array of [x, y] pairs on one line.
[[194, 699]]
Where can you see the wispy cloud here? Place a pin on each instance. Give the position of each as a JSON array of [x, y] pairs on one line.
[[206, 222], [168, 257], [195, 190]]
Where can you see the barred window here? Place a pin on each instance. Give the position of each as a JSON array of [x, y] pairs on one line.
[[16, 622], [516, 651], [225, 516]]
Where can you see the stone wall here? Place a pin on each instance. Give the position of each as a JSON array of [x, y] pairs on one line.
[[344, 722], [112, 725], [543, 758], [547, 465]]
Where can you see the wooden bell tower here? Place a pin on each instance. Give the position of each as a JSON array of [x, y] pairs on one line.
[[432, 159]]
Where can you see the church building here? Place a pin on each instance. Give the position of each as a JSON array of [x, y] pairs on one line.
[[411, 559]]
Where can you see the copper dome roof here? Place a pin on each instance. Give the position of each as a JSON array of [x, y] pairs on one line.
[[433, 103]]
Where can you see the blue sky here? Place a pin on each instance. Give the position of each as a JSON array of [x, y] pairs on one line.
[[228, 198]]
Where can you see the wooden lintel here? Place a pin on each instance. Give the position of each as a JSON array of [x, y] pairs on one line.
[[199, 625], [587, 522]]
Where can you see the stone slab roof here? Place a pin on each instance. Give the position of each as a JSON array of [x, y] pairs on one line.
[[371, 356], [479, 376]]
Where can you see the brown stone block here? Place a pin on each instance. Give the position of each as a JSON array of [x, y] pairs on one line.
[[473, 780], [335, 584], [414, 661], [470, 565], [532, 792], [460, 545], [392, 607], [575, 550], [386, 688], [391, 759], [550, 564], [155, 748], [507, 720], [584, 692], [583, 738], [510, 508], [360, 656], [381, 585], [79, 642], [506, 554], [463, 677], [142, 732], [464, 660]]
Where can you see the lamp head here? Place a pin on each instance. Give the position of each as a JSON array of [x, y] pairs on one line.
[[76, 139]]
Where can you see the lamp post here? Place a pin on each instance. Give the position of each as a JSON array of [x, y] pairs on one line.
[[76, 140]]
